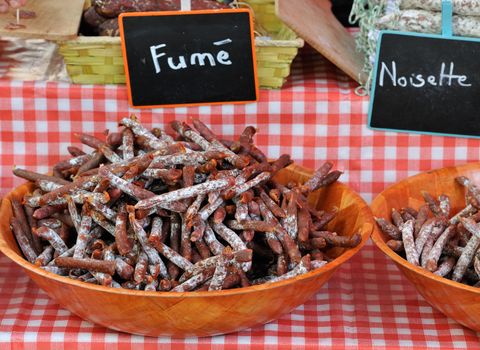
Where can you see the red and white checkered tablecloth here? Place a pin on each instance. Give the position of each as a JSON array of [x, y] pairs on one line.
[[316, 116]]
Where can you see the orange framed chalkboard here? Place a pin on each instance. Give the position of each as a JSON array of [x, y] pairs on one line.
[[181, 58]]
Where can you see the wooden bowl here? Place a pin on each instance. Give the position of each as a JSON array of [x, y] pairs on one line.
[[456, 300], [198, 313]]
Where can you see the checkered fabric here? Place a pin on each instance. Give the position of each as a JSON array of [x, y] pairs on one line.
[[316, 116]]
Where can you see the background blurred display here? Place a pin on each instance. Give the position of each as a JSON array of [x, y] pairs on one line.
[[341, 9]]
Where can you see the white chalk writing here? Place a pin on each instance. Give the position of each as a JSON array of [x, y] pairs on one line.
[[388, 73], [200, 59]]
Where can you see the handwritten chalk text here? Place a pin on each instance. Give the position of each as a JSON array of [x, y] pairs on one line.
[[222, 57], [388, 73]]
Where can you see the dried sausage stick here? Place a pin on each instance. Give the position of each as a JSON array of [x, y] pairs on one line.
[[436, 251], [22, 240], [104, 266], [83, 233], [209, 237], [389, 228], [53, 237], [409, 244], [139, 130], [152, 254], [170, 254], [184, 193], [469, 250], [303, 267]]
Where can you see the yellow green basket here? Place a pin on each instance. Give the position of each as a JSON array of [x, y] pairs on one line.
[[98, 60]]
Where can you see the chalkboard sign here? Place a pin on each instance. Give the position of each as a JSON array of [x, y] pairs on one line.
[[183, 58], [427, 84]]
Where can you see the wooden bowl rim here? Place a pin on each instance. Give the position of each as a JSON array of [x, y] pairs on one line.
[[381, 244], [365, 233]]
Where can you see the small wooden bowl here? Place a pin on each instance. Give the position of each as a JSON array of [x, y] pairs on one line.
[[456, 300], [198, 313]]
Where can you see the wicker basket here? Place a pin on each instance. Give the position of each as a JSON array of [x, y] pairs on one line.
[[98, 60]]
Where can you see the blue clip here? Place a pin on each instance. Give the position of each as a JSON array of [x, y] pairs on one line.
[[447, 10]]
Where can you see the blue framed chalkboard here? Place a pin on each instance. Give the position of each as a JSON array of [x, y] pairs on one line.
[[427, 84]]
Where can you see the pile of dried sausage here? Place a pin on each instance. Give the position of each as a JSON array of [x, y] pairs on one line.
[[445, 244], [101, 18], [152, 211]]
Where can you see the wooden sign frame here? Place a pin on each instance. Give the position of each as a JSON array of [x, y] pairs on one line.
[[188, 13]]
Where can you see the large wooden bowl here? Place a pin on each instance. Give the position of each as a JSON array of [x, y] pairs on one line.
[[198, 313], [456, 300]]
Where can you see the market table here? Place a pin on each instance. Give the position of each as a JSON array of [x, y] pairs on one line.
[[316, 116]]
